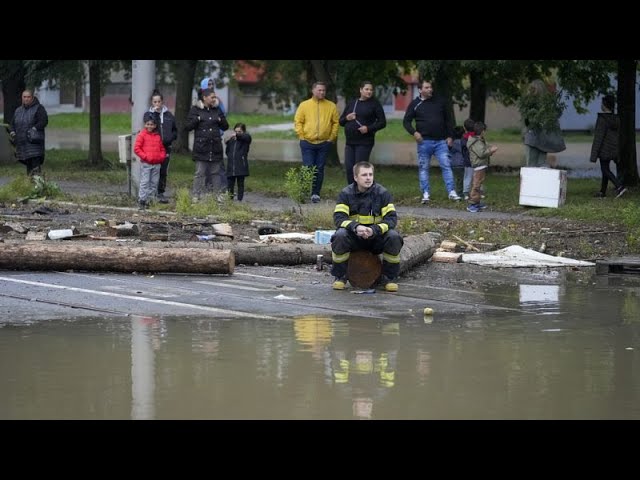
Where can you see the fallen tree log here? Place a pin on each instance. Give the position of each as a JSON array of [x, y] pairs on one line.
[[417, 249], [46, 256], [276, 253]]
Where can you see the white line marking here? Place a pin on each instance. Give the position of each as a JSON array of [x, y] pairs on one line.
[[143, 299], [242, 287]]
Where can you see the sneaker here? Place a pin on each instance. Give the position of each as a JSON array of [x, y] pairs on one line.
[[425, 197], [466, 195], [473, 208], [315, 198], [454, 196], [142, 205], [481, 206], [162, 198], [621, 191], [599, 195], [339, 284]]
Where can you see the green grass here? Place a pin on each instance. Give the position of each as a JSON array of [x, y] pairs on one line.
[[268, 178], [121, 122], [394, 132]]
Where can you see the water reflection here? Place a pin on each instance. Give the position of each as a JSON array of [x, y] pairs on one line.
[[509, 363]]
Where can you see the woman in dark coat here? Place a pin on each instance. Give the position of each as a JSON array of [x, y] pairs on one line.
[[207, 121], [605, 146], [27, 132], [361, 119]]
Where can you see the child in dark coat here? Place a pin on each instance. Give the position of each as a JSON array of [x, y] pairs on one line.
[[237, 159]]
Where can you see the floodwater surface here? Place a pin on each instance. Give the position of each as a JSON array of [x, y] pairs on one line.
[[567, 350]]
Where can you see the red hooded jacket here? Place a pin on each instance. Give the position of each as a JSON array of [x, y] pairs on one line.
[[149, 147]]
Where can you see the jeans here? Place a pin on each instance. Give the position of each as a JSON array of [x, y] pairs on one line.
[[439, 148], [315, 155]]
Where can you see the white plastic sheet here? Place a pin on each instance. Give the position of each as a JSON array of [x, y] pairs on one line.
[[517, 256]]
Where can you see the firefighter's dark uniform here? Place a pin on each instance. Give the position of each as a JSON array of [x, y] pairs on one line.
[[372, 208]]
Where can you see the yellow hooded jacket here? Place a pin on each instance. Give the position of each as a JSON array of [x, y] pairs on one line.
[[316, 121]]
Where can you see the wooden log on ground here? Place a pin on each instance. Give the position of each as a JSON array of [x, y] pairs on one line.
[[276, 253], [448, 246], [363, 269], [49, 256], [446, 257], [417, 250]]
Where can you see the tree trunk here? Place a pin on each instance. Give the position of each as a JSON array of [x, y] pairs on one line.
[[627, 111], [478, 104], [95, 140], [184, 74], [12, 88], [443, 88], [417, 250], [276, 254], [54, 256]]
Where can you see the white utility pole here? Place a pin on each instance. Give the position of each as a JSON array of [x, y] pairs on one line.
[[143, 80]]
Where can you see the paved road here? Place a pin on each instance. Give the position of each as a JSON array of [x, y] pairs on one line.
[[266, 293]]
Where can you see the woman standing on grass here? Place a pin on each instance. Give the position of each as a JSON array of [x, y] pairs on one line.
[[605, 146], [541, 110], [208, 122], [361, 119]]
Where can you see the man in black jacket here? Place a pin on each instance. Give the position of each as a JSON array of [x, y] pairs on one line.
[[434, 134], [365, 219]]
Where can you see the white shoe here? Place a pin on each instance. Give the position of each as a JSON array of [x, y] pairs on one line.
[[425, 197], [453, 195]]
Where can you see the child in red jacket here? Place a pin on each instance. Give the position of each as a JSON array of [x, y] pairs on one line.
[[151, 151]]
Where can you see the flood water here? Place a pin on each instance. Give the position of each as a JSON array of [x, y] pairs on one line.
[[567, 350]]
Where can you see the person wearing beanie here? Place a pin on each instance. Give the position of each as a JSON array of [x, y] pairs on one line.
[[605, 147], [150, 149], [168, 131], [207, 121]]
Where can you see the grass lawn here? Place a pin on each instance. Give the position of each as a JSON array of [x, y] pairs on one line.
[[394, 132]]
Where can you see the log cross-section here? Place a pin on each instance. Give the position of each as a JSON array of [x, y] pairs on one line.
[[115, 259]]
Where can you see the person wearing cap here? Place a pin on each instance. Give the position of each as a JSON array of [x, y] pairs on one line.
[[150, 149], [207, 121]]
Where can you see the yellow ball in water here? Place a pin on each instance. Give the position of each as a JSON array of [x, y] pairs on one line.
[[428, 311]]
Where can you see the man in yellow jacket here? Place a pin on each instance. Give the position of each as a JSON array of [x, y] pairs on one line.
[[316, 124]]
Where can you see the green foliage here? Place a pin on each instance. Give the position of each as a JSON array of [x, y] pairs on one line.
[[23, 187], [542, 111], [298, 183], [43, 188], [631, 219]]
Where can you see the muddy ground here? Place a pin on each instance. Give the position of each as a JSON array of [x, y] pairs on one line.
[[485, 231]]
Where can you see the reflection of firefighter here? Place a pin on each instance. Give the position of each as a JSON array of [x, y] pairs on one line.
[[364, 364], [313, 330]]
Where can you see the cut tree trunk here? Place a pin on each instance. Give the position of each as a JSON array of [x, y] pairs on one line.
[[115, 259], [187, 257]]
